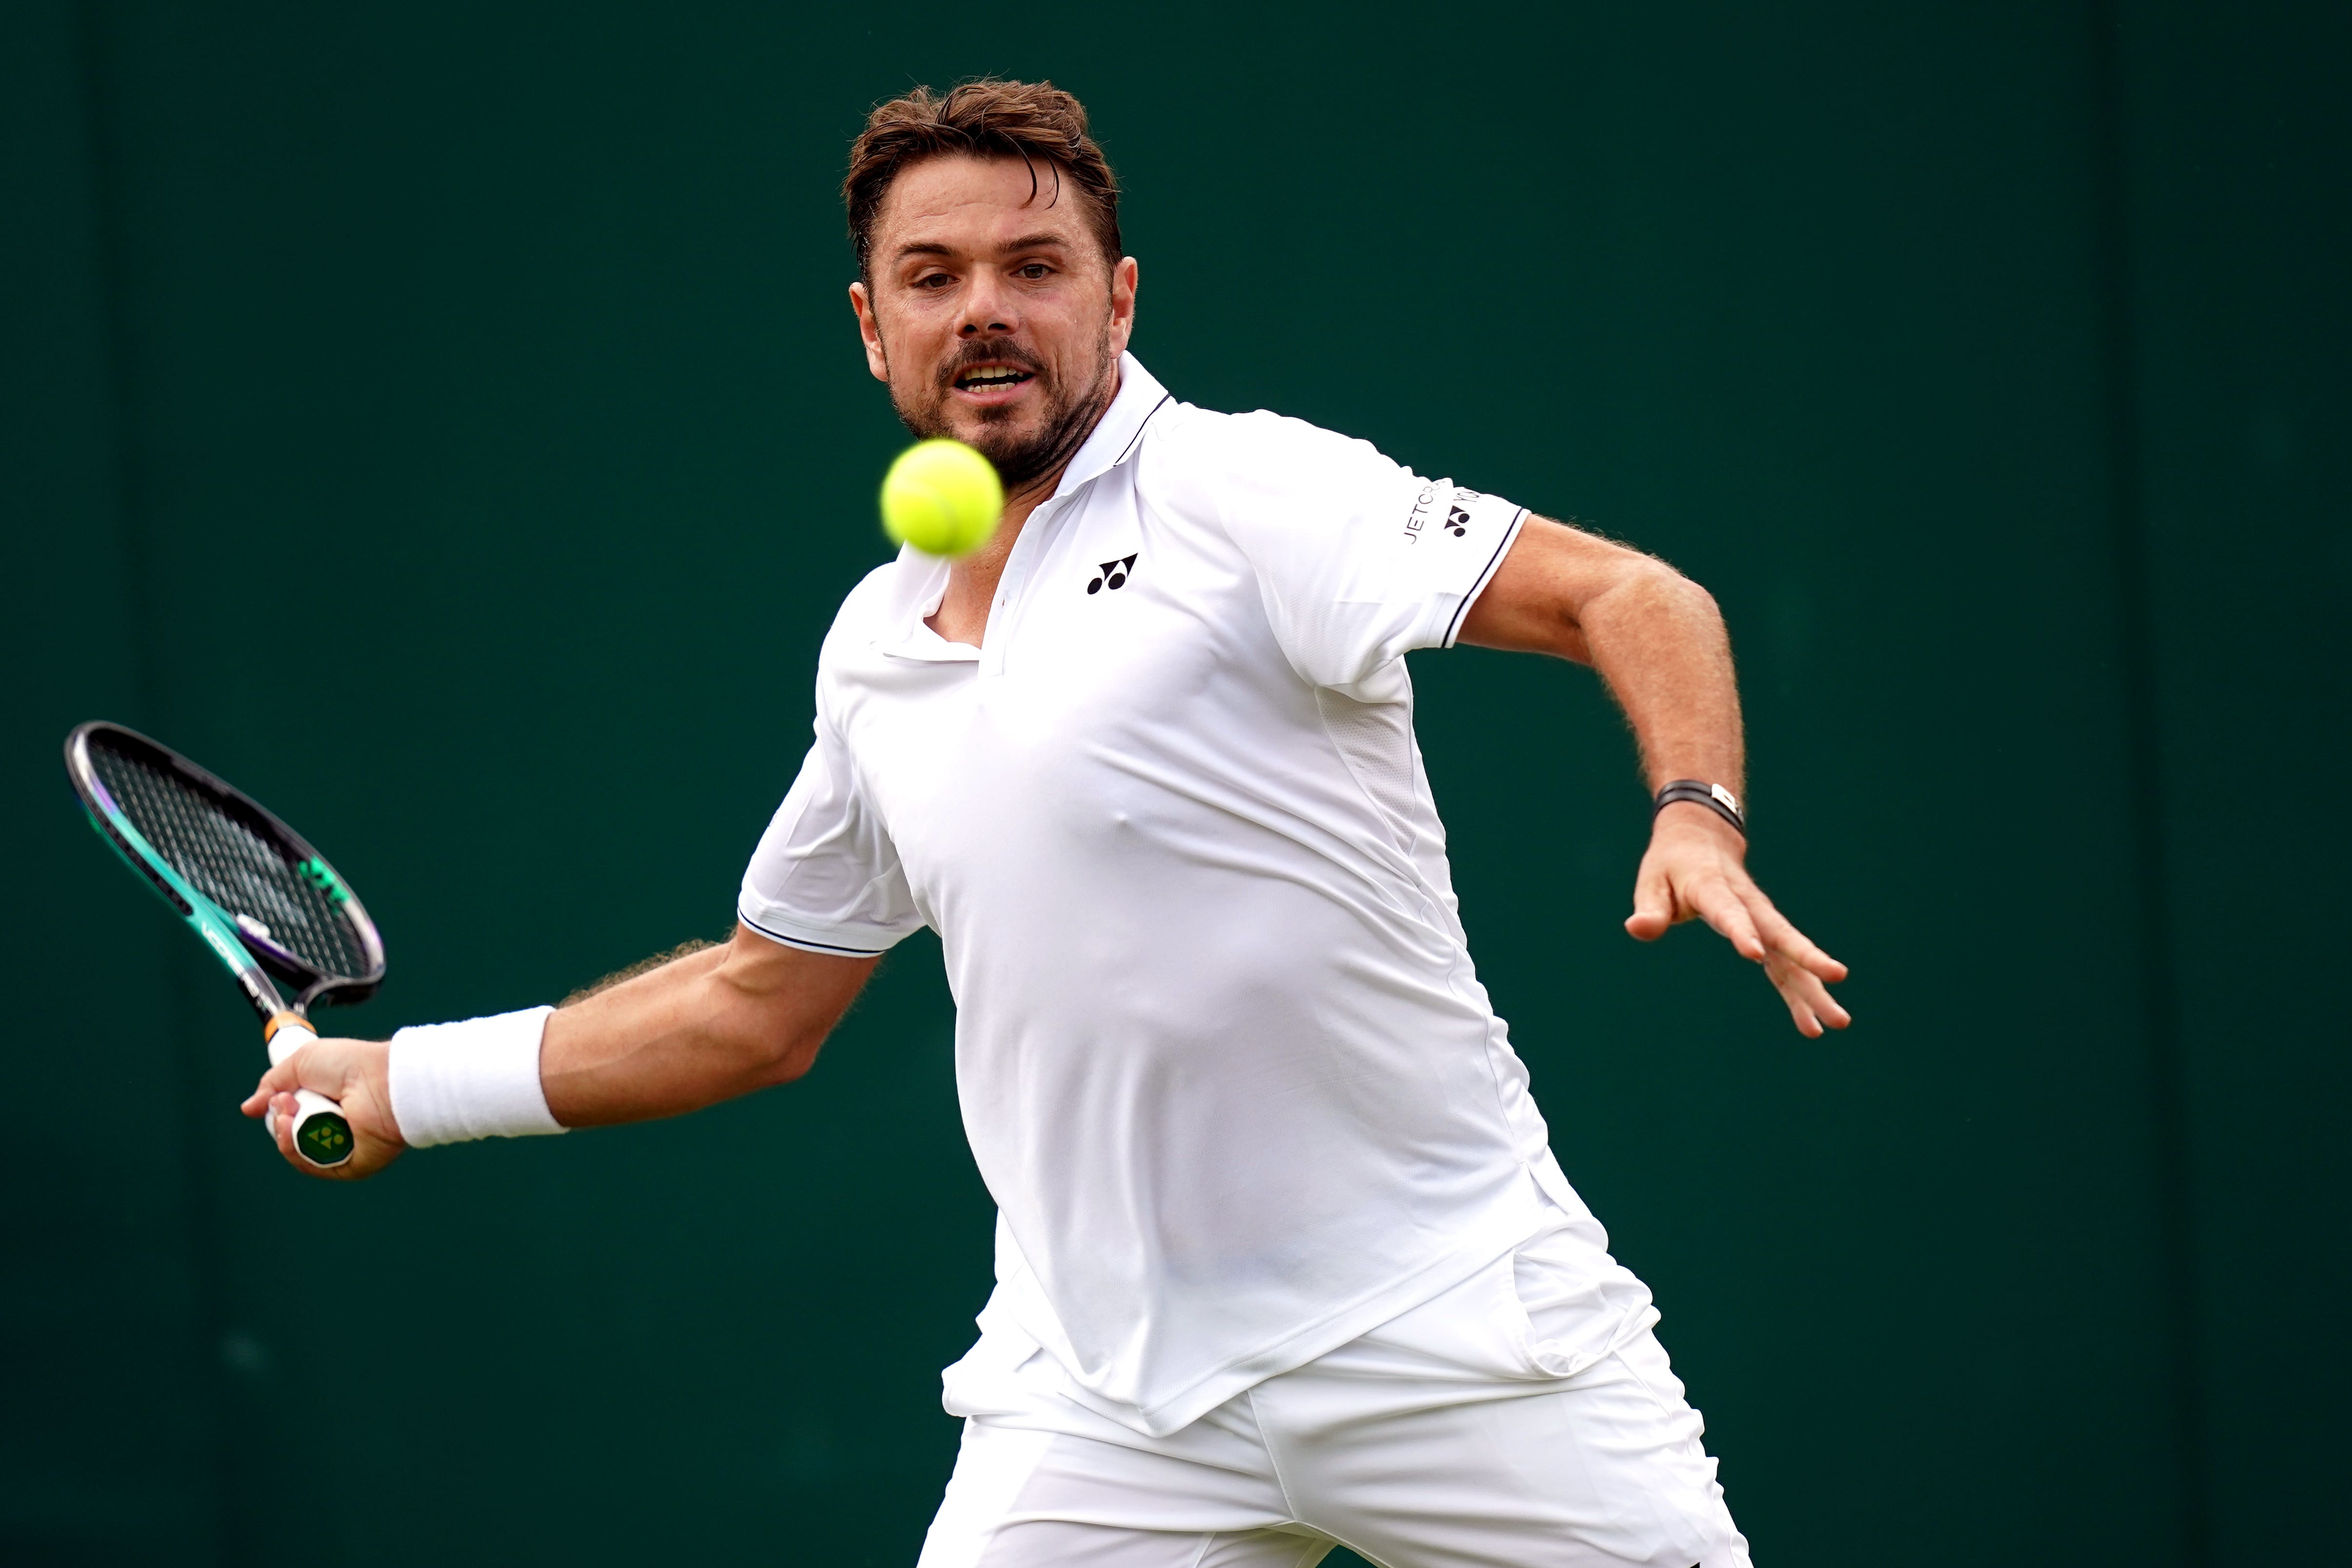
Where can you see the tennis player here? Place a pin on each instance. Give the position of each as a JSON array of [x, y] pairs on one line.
[[1284, 1259]]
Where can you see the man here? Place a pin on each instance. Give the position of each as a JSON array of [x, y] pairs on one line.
[[1282, 1257]]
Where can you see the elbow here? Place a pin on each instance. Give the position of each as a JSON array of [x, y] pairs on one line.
[[770, 1037], [1648, 606], [789, 1059], [1662, 585]]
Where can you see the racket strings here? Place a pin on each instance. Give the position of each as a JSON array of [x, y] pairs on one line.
[[243, 871]]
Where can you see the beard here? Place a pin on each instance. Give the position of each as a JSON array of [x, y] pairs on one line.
[[1070, 415]]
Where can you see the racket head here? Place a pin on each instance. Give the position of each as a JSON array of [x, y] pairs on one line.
[[287, 906]]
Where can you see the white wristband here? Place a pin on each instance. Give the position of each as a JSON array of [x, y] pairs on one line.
[[452, 1082]]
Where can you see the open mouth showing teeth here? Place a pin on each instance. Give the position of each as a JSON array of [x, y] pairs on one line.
[[992, 375]]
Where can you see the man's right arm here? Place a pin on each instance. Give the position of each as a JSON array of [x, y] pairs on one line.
[[706, 1027], [710, 1026]]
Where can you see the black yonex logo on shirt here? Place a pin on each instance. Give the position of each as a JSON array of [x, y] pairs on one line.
[[1457, 511], [1112, 575]]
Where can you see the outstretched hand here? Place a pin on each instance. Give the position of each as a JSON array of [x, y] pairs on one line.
[[1695, 868], [356, 1073]]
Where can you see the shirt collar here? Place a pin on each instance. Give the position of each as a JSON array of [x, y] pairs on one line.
[[923, 581], [920, 584], [1118, 432]]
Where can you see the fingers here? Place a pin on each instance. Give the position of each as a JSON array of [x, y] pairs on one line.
[[1799, 969], [324, 1065], [287, 1109], [1653, 901], [1787, 941], [1690, 876], [283, 1078], [1720, 906], [1810, 1006]]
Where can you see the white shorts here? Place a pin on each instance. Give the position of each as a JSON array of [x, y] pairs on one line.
[[1525, 1418]]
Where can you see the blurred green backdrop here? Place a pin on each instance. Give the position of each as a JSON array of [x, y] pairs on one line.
[[445, 420]]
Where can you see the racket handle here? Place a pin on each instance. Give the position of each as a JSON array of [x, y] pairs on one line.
[[322, 1135]]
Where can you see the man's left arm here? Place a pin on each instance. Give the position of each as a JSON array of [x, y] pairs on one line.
[[1658, 639]]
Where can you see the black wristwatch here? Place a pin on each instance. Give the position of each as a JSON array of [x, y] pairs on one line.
[[1713, 796]]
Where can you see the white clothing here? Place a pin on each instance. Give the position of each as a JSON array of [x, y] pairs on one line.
[[1527, 1416], [1223, 1060], [478, 1079]]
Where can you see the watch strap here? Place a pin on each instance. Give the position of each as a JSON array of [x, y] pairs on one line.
[[1699, 791]]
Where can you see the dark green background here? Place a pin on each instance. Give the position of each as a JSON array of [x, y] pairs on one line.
[[445, 420]]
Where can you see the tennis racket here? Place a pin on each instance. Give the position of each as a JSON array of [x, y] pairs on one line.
[[264, 902]]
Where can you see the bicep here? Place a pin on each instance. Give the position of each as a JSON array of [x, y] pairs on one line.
[[1536, 600]]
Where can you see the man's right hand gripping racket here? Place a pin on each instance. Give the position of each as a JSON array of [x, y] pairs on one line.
[[262, 899]]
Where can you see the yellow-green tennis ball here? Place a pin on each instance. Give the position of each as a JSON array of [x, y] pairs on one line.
[[942, 497]]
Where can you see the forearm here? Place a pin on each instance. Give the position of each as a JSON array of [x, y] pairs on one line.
[[1654, 635], [710, 1026], [658, 1045], [1658, 640]]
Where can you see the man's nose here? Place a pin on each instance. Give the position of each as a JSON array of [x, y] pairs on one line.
[[985, 309]]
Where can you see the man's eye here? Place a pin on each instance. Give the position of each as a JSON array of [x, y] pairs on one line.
[[1034, 270], [933, 280]]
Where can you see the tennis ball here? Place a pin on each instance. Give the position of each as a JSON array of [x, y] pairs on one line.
[[942, 497]]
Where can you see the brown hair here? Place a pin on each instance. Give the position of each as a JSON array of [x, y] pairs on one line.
[[1035, 121]]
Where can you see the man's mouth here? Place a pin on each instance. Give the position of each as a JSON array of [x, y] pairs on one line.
[[992, 378]]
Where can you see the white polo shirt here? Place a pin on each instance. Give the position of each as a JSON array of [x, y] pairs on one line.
[[1223, 1060]]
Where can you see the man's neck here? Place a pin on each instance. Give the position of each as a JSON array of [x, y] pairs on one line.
[[962, 615]]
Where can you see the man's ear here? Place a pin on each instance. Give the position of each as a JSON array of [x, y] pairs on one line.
[[1123, 279], [869, 331]]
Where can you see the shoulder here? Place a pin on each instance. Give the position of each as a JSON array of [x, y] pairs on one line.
[[865, 608], [1248, 471], [1256, 446], [869, 612]]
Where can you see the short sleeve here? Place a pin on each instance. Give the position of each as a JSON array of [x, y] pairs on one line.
[[825, 876], [1359, 559]]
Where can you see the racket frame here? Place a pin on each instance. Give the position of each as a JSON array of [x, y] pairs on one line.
[[250, 958]]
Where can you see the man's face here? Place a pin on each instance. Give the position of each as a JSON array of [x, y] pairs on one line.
[[991, 312]]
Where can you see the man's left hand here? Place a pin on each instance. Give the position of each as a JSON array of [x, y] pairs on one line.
[[1695, 868]]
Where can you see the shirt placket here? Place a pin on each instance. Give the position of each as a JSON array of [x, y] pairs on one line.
[[1012, 589]]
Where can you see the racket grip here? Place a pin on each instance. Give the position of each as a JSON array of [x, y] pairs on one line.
[[322, 1135]]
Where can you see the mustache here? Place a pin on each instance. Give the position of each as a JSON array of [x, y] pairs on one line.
[[973, 355]]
